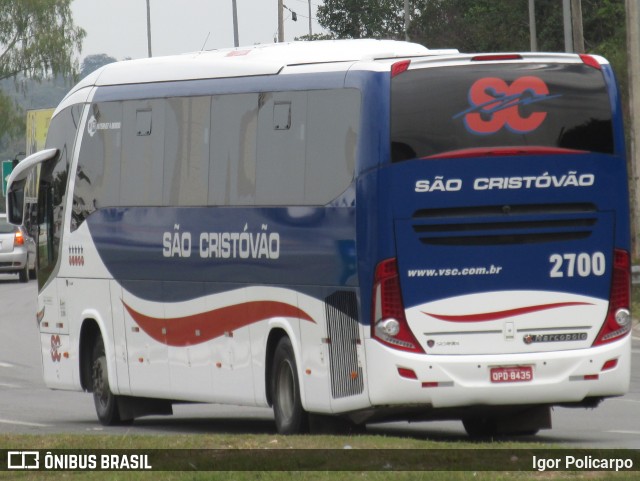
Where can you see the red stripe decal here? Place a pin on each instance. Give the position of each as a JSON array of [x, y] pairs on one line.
[[494, 316], [199, 328]]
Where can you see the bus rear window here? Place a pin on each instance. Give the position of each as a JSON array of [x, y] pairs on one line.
[[447, 109]]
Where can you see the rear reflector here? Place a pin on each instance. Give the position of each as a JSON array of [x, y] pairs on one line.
[[437, 384], [610, 364], [407, 373], [590, 61], [586, 377]]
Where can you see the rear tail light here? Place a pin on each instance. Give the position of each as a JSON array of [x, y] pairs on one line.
[[618, 321], [389, 324], [19, 239]]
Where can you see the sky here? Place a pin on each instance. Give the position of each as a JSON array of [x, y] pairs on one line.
[[118, 28]]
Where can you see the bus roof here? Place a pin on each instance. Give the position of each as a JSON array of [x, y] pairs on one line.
[[267, 59]]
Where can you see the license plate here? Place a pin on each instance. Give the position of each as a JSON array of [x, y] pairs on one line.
[[512, 374]]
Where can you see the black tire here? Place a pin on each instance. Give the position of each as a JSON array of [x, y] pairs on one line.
[[290, 417], [33, 273], [24, 273], [105, 401]]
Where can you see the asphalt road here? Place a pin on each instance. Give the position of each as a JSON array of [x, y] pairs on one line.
[[27, 406]]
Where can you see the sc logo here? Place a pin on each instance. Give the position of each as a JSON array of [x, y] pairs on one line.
[[495, 104]]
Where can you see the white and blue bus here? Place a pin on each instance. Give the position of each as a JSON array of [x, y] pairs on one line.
[[367, 230]]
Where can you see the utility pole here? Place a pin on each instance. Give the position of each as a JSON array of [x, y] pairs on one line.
[[280, 20], [576, 26], [235, 23], [310, 31], [566, 17], [406, 20], [149, 29], [633, 48], [533, 36]]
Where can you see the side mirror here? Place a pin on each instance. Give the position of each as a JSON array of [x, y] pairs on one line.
[[17, 182], [15, 203]]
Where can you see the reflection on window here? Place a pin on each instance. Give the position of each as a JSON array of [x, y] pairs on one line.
[[278, 148]]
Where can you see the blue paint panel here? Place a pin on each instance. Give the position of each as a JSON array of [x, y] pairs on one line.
[[511, 232], [616, 109], [300, 247]]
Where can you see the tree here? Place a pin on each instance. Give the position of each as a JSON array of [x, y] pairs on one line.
[[91, 63], [471, 25], [363, 18], [38, 40]]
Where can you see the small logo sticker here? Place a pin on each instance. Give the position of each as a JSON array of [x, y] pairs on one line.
[[568, 337], [93, 126]]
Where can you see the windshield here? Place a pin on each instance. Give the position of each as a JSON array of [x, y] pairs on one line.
[[5, 227], [481, 106]]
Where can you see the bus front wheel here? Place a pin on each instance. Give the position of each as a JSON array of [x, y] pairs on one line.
[[290, 417], [105, 401]]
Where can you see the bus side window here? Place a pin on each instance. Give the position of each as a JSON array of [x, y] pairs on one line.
[[186, 151], [281, 150], [234, 131], [333, 122], [98, 174], [141, 167]]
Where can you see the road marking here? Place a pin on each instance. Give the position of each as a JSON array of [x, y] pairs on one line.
[[23, 423], [6, 384], [626, 400], [624, 432]]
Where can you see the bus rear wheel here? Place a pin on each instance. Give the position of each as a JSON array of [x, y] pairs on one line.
[[105, 401], [289, 414]]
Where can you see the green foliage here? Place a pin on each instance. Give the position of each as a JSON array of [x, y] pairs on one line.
[[484, 26], [363, 18], [91, 63], [471, 25], [316, 36], [10, 120], [38, 38], [477, 25], [37, 41]]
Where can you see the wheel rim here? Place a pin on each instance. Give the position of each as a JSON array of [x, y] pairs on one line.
[[285, 389], [100, 383]]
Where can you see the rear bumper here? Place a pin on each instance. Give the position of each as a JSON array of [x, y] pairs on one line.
[[558, 377], [13, 261]]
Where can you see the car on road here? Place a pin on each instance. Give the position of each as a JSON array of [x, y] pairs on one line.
[[17, 251]]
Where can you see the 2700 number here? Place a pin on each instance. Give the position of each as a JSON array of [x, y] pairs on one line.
[[580, 264]]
